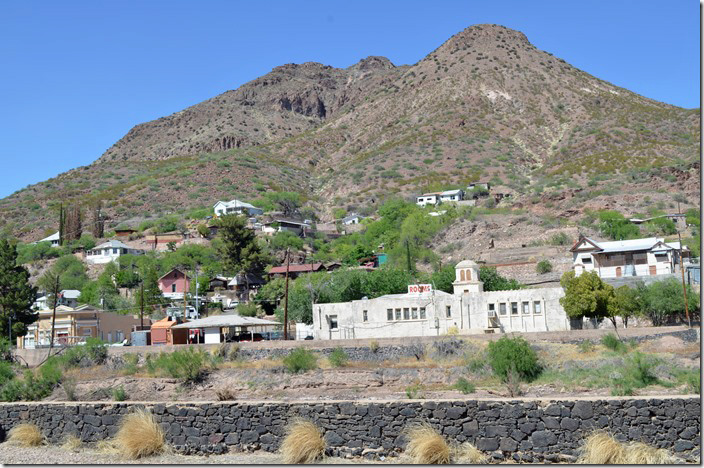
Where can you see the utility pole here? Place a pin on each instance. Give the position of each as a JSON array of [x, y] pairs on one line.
[[684, 286], [288, 258], [141, 307], [408, 257], [55, 294], [197, 304]]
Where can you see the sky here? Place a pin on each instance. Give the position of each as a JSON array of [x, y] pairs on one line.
[[77, 75]]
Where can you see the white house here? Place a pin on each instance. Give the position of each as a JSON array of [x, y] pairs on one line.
[[53, 239], [236, 207], [452, 195], [110, 251], [636, 257], [428, 199], [354, 218], [422, 311]]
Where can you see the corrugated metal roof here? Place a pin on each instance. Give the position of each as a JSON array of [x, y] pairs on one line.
[[226, 321]]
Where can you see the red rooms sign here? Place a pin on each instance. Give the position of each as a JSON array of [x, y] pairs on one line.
[[419, 288]]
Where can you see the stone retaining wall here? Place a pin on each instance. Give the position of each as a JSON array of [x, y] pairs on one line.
[[526, 429]]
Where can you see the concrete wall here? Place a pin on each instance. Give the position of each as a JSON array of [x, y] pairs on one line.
[[527, 429]]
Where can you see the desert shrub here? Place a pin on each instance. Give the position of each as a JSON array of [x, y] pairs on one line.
[[25, 435], [543, 267], [694, 382], [560, 239], [300, 360], [453, 331], [119, 393], [374, 346], [639, 368], [189, 365], [338, 357], [468, 454], [426, 446], [34, 385], [225, 394], [513, 353], [415, 392], [622, 388], [130, 362], [303, 443], [417, 349], [69, 387], [71, 443], [139, 435], [465, 386], [600, 448], [7, 372], [614, 344], [586, 346]]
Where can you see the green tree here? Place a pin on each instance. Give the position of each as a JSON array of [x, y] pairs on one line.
[[72, 272], [625, 303], [614, 225], [270, 294], [286, 239], [152, 293], [586, 295], [239, 249], [493, 281], [16, 293], [664, 299], [248, 310], [443, 278]]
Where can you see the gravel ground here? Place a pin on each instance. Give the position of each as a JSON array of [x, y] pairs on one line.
[[14, 455]]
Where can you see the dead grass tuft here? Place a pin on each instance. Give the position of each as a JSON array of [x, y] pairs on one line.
[[139, 435], [600, 448], [426, 446], [107, 447], [225, 394], [303, 443], [638, 453], [468, 454], [26, 435], [71, 443]]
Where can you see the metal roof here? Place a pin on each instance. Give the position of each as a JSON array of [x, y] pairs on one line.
[[114, 244], [237, 204], [226, 321]]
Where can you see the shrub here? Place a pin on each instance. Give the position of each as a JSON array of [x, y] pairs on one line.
[[426, 446], [507, 352], [448, 347], [600, 448], [560, 239], [26, 435], [374, 346], [468, 454], [415, 392], [543, 267], [614, 344], [300, 360], [189, 365], [139, 435], [71, 443], [338, 357], [639, 369], [586, 346], [130, 361], [303, 443], [69, 386], [119, 393], [225, 394], [694, 383], [465, 386]]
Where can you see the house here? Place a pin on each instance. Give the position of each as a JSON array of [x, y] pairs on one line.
[[40, 302], [428, 199], [54, 239], [174, 283], [245, 286], [452, 196], [679, 219], [297, 227], [479, 186], [236, 207], [110, 251], [636, 257], [221, 328], [295, 270], [75, 324], [69, 297], [352, 219], [422, 311], [162, 332], [162, 241], [124, 232]]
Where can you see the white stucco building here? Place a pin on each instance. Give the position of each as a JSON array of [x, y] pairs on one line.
[[636, 257], [110, 251], [423, 311], [222, 208], [428, 199]]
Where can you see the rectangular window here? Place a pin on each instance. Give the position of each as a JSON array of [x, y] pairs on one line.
[[365, 316], [114, 251], [406, 313], [514, 308], [586, 259], [502, 308], [173, 287], [398, 314], [537, 307], [492, 310], [389, 314], [526, 308], [414, 313], [448, 311], [333, 322], [422, 313]]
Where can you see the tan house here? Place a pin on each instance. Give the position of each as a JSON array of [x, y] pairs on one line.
[[74, 325]]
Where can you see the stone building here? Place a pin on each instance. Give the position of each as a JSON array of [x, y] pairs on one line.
[[424, 311]]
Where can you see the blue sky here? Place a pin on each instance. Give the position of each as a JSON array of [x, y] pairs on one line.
[[77, 75]]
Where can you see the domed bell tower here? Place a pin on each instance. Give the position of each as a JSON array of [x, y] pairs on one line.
[[467, 278]]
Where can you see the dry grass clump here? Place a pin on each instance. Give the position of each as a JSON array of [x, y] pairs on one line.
[[468, 454], [303, 443], [426, 446], [225, 394], [600, 448], [71, 443], [26, 435], [139, 435]]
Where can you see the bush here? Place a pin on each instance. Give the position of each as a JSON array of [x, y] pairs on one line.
[[560, 239], [415, 392], [119, 393], [338, 357], [586, 346], [374, 346], [639, 370], [614, 344], [189, 365], [465, 386], [507, 353], [543, 267], [300, 360], [130, 363], [140, 435], [304, 443]]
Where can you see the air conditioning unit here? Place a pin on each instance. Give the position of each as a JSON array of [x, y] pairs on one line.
[[492, 314]]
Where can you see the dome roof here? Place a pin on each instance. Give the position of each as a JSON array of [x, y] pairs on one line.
[[466, 264]]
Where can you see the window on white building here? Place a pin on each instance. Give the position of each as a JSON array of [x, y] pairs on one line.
[[414, 313], [365, 316], [389, 314], [514, 308], [406, 313], [586, 259], [422, 313], [448, 311], [492, 310], [398, 314], [526, 308], [502, 308], [537, 307], [333, 322]]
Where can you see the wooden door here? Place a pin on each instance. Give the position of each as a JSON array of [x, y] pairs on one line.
[[653, 270]]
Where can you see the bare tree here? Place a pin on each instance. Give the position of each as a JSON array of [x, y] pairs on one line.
[[72, 223]]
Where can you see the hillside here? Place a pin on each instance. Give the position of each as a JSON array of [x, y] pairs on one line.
[[485, 105]]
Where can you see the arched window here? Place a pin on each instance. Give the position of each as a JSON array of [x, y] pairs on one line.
[[469, 275], [461, 275]]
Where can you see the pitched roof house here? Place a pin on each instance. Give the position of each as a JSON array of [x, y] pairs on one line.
[[236, 207], [109, 251]]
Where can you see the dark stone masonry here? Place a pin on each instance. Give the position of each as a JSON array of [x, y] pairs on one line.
[[523, 430]]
